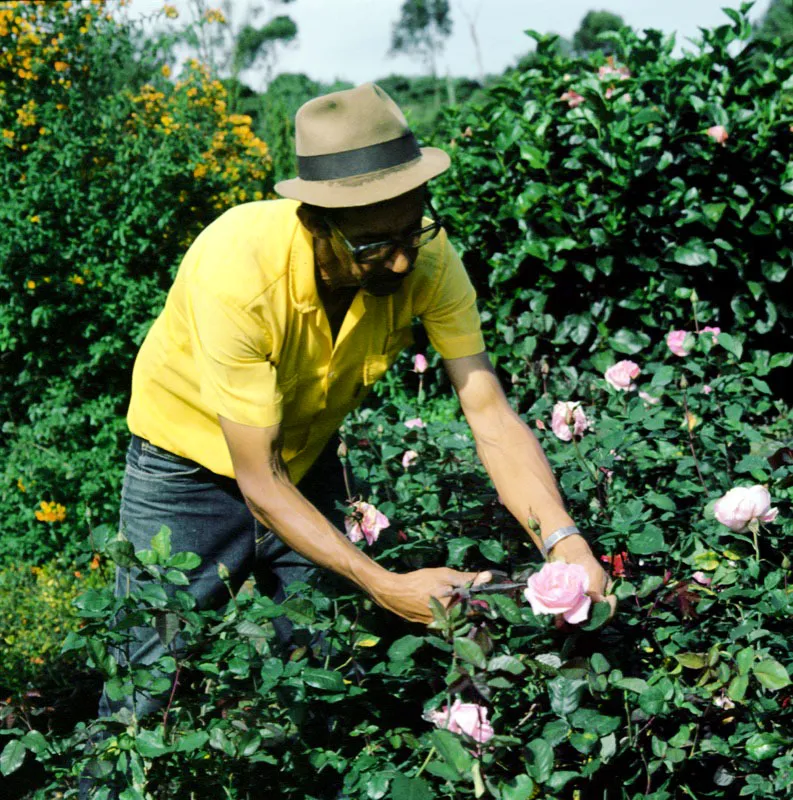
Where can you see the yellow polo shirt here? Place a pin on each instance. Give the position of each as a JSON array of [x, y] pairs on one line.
[[244, 335]]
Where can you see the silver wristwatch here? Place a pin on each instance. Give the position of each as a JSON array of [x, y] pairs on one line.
[[556, 537]]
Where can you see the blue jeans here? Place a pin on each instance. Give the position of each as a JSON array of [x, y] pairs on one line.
[[207, 515]]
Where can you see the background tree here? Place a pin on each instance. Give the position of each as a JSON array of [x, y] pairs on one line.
[[778, 21], [588, 36], [422, 28]]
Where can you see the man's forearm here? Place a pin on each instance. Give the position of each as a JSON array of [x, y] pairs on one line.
[[522, 475], [282, 507]]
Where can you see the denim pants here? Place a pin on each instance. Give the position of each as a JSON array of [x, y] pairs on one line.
[[207, 515]]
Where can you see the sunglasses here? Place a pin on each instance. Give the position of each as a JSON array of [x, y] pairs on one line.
[[376, 252]]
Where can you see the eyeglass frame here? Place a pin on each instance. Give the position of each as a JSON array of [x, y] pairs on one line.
[[355, 250]]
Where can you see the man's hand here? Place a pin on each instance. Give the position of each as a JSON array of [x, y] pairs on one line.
[[599, 583], [409, 595]]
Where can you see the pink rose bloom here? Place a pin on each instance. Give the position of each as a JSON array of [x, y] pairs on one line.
[[420, 364], [744, 504], [566, 415], [408, 458], [680, 342], [415, 423], [621, 375], [560, 588], [468, 718], [714, 331], [609, 69], [648, 398], [707, 389], [572, 98], [365, 522], [701, 577], [718, 133]]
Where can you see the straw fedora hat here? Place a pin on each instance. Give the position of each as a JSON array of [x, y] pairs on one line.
[[355, 148]]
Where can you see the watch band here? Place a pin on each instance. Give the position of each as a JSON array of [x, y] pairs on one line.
[[556, 537]]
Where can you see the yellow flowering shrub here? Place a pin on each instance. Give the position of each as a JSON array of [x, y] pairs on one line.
[[111, 165], [36, 614]]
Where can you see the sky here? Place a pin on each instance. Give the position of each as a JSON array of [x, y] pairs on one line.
[[350, 39]]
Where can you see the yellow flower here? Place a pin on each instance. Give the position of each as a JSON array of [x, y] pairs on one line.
[[166, 71], [61, 66], [171, 12], [8, 134], [215, 15], [51, 512], [30, 285], [78, 280], [200, 171], [240, 119], [35, 218], [21, 486]]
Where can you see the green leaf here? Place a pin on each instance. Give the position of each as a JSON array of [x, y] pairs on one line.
[[771, 674], [629, 341], [457, 549], [184, 561], [323, 679], [161, 544], [402, 649], [299, 610], [404, 788], [12, 757], [632, 685], [693, 254], [692, 660], [167, 626], [647, 542], [541, 764], [193, 740], [470, 651], [763, 746], [560, 779], [520, 787], [731, 344], [598, 616], [492, 550], [150, 744], [452, 751], [565, 694], [737, 688], [506, 663], [506, 607]]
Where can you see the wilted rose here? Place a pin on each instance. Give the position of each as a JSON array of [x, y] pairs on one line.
[[621, 375], [568, 420], [468, 718], [718, 133], [744, 504], [415, 423], [617, 563], [408, 458], [648, 398], [560, 588], [365, 522], [702, 578], [707, 389], [680, 342], [420, 364]]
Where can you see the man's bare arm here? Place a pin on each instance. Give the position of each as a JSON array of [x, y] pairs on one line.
[[277, 503], [509, 451]]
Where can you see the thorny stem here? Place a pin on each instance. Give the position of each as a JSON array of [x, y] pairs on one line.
[[691, 440], [170, 699], [593, 472]]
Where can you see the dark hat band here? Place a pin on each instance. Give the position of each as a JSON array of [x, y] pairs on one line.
[[383, 155]]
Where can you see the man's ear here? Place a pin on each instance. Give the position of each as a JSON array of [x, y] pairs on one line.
[[313, 221]]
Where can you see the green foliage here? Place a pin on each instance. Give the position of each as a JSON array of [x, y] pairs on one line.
[[778, 21], [422, 27], [595, 223]]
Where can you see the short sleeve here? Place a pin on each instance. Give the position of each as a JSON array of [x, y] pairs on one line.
[[236, 378], [451, 318]]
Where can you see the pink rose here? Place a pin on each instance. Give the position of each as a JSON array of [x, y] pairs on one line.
[[566, 415], [467, 718], [701, 577], [572, 97], [365, 522], [714, 331], [408, 458], [609, 69], [415, 423], [420, 364], [707, 389], [718, 133], [621, 375], [680, 342], [745, 504], [560, 588]]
